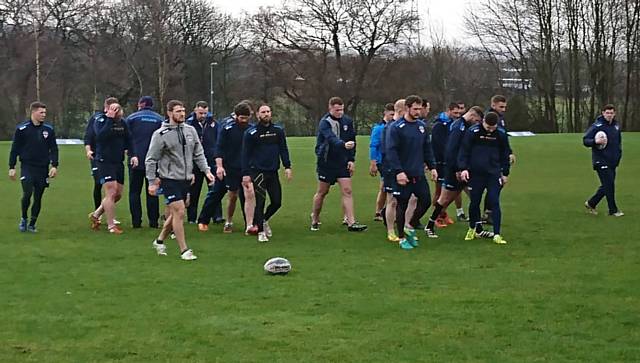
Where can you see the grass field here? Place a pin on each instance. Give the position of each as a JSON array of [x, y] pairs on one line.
[[566, 287]]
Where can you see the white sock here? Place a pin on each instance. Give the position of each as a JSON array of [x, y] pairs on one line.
[[459, 211]]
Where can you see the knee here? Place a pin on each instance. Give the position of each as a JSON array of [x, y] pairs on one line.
[[322, 193], [347, 192], [178, 211]]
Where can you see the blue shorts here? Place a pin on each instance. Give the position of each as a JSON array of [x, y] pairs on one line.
[[108, 172], [440, 168], [417, 186], [451, 182], [233, 179], [389, 181], [94, 170], [330, 175], [174, 190], [38, 176]]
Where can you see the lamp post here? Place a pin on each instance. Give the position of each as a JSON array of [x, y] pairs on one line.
[[211, 92]]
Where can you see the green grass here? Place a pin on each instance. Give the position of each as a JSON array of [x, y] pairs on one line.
[[564, 289]]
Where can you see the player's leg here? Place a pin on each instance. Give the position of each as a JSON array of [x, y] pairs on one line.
[[194, 192], [260, 194], [97, 186], [460, 216], [38, 192], [600, 192], [390, 215], [446, 196], [381, 200], [109, 202], [608, 180], [178, 210], [249, 207], [25, 202], [153, 205], [402, 195], [274, 189], [347, 204], [136, 182], [493, 195], [476, 189], [318, 201]]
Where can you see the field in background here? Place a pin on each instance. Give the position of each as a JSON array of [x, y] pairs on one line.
[[564, 289]]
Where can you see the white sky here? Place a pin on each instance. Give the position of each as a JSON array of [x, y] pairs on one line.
[[445, 17]]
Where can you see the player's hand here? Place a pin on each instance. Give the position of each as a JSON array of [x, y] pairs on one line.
[[512, 159], [434, 175], [458, 177], [402, 179], [53, 172], [153, 188], [134, 161], [351, 166], [288, 174], [113, 111], [210, 177], [193, 179], [464, 175], [220, 173], [504, 180], [349, 145], [373, 168], [12, 174], [90, 154]]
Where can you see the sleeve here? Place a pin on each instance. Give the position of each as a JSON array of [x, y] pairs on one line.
[[89, 134], [247, 151], [438, 137], [198, 154], [153, 155], [465, 150], [324, 129], [374, 144], [102, 128], [450, 157], [129, 142], [588, 139], [16, 147], [504, 155], [427, 150], [392, 151], [53, 149], [284, 150], [220, 145], [209, 143]]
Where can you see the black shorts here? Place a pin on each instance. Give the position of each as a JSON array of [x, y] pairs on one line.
[[330, 175], [451, 182], [174, 190], [389, 181], [108, 172], [441, 173], [233, 179], [38, 176], [94, 170], [417, 186]]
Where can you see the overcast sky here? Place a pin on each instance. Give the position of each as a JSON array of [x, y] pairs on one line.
[[446, 17]]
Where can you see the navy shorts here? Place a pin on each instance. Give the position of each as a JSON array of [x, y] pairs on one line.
[[451, 182], [417, 186], [233, 179], [108, 172], [38, 176], [94, 170], [389, 181], [174, 190], [330, 175], [441, 173]]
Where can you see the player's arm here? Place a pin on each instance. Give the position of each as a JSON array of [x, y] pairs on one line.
[[465, 150], [153, 155], [284, 150], [103, 128], [325, 130], [439, 134], [352, 137], [589, 138], [16, 147], [247, 151], [53, 153], [89, 138], [505, 151]]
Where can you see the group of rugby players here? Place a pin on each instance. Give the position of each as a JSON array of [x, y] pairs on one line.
[[467, 150]]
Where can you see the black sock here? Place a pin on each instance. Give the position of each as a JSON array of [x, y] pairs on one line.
[[32, 223], [436, 212], [159, 242], [182, 252], [478, 227]]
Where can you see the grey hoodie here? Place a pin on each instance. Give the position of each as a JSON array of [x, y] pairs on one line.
[[172, 152]]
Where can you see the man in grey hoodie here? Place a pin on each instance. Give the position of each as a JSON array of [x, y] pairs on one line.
[[174, 149]]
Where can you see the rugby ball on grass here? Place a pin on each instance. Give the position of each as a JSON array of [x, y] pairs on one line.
[[601, 135], [277, 266]]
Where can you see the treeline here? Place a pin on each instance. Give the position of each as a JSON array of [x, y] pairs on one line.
[[72, 54]]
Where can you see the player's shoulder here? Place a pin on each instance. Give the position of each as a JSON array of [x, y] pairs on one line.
[[398, 124], [23, 125], [47, 126], [163, 130], [474, 128], [229, 124], [252, 130]]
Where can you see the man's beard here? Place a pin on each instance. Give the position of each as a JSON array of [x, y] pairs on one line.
[[265, 121]]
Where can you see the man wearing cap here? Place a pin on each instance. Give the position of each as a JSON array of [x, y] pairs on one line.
[[142, 124]]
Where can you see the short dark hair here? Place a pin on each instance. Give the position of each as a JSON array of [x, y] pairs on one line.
[[478, 110], [491, 118], [453, 106], [36, 105], [459, 102], [389, 107], [498, 98], [110, 101], [425, 101], [172, 104], [608, 107], [262, 104], [242, 109], [202, 104], [336, 101], [411, 100]]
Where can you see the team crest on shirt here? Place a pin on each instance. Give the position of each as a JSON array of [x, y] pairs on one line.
[[345, 127], [45, 134], [617, 127], [421, 128]]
